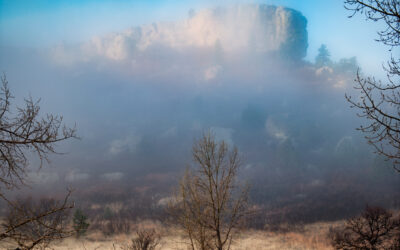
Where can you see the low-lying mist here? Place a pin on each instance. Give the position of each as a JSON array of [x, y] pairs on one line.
[[140, 97]]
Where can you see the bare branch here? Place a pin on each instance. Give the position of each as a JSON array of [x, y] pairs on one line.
[[379, 103], [23, 130], [30, 223]]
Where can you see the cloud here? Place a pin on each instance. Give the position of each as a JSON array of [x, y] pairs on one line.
[[43, 177], [345, 145], [256, 28], [127, 144], [211, 72], [275, 131], [170, 132], [113, 176], [76, 175]]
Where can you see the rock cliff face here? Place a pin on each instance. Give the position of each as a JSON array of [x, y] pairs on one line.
[[236, 29]]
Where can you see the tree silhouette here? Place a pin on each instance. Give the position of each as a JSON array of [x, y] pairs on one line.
[[375, 228], [379, 102], [323, 57]]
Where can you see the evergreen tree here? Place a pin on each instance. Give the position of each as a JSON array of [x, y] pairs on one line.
[[80, 223], [323, 57]]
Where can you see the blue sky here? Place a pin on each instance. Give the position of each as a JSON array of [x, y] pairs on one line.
[[45, 23]]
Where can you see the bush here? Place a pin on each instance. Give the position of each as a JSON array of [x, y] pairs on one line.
[[375, 228], [145, 240]]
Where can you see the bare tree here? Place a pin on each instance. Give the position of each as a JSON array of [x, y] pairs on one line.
[[379, 102], [188, 210], [210, 204], [376, 228], [24, 131]]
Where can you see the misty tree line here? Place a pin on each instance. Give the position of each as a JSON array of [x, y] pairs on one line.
[[345, 65]]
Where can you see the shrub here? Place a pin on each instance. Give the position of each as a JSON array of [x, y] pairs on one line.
[[145, 240], [375, 228]]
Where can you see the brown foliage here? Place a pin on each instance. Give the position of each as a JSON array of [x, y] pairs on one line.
[[375, 228]]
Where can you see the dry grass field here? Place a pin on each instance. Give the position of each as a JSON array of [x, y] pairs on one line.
[[312, 236]]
